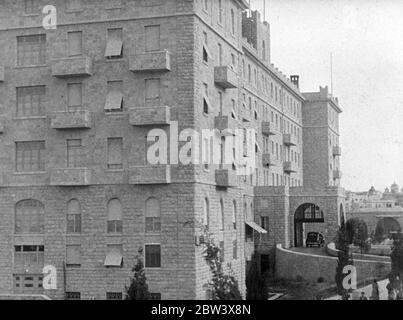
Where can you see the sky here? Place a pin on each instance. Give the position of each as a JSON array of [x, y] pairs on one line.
[[365, 38]]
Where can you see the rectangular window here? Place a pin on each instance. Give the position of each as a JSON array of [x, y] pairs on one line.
[[155, 296], [114, 296], [114, 98], [30, 6], [73, 5], [153, 256], [73, 295], [73, 255], [153, 38], [74, 223], [220, 11], [31, 50], [205, 99], [30, 101], [114, 256], [30, 156], [31, 284], [74, 153], [153, 90], [220, 55], [114, 45], [115, 152], [28, 256], [74, 96], [264, 222], [75, 41], [114, 4], [235, 249]]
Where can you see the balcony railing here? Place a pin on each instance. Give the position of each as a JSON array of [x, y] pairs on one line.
[[150, 174], [158, 61], [71, 120], [149, 116], [225, 178], [72, 67], [267, 129], [68, 177], [289, 140], [225, 77], [290, 167], [336, 151]]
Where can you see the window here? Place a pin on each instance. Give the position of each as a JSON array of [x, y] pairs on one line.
[[30, 6], [28, 284], [264, 222], [205, 50], [114, 45], [153, 215], [114, 98], [115, 152], [31, 50], [74, 96], [206, 212], [114, 296], [153, 38], [205, 99], [114, 256], [75, 40], [30, 101], [234, 214], [73, 255], [220, 59], [73, 295], [115, 216], [30, 156], [155, 296], [220, 11], [235, 249], [153, 255], [114, 4], [74, 153], [232, 21], [28, 256], [29, 217], [222, 215], [73, 217], [205, 7], [153, 87]]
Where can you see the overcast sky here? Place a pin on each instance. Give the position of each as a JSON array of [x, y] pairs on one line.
[[366, 39]]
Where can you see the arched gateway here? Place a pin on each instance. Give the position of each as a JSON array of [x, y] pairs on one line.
[[305, 214]]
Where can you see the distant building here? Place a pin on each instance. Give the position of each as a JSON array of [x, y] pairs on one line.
[[367, 200], [394, 194]]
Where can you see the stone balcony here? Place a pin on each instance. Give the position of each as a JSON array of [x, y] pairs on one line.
[[158, 61], [150, 116], [225, 77], [268, 160], [336, 151], [289, 140], [226, 178], [226, 124], [150, 174], [69, 177], [267, 129], [72, 67], [337, 174], [290, 167], [71, 120]]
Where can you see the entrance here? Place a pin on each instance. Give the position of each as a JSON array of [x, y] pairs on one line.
[[307, 213]]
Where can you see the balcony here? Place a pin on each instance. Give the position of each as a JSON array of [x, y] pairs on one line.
[[225, 123], [289, 140], [2, 76], [72, 67], [69, 177], [71, 120], [159, 61], [150, 116], [290, 167], [267, 129], [268, 160], [226, 178], [336, 174], [337, 151], [150, 174], [225, 77]]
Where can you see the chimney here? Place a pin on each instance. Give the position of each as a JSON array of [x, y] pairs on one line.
[[295, 80]]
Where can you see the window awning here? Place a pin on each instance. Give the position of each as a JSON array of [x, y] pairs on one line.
[[255, 227], [114, 258]]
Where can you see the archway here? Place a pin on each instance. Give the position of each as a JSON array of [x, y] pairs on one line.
[[386, 227], [305, 214]]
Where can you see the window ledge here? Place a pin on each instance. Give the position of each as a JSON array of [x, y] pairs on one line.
[[32, 66], [30, 14], [74, 10], [29, 173], [115, 60], [115, 170], [30, 118]]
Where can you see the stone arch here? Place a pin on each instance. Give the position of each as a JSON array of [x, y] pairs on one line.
[[306, 213], [386, 227]]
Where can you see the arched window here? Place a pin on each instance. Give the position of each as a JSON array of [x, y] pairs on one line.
[[115, 216], [222, 215], [153, 215], [73, 217], [206, 212], [29, 217], [234, 214]]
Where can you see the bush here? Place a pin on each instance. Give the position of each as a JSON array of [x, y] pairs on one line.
[[138, 289], [256, 288]]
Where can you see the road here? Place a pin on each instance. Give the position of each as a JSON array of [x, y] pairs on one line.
[[383, 292]]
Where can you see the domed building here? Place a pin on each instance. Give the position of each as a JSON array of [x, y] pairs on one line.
[[394, 188]]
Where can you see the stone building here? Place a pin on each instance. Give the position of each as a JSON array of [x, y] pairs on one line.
[[77, 106]]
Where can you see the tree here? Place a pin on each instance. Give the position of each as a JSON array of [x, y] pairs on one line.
[[380, 232], [344, 259], [357, 234], [224, 286], [396, 256], [138, 289], [256, 288]]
